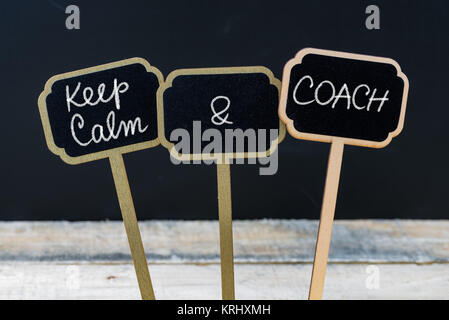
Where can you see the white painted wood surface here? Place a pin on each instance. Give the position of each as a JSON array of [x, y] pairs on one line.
[[91, 260]]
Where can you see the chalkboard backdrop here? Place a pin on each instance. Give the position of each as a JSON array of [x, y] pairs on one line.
[[408, 179]]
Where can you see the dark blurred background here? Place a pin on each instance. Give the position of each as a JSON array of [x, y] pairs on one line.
[[407, 179]]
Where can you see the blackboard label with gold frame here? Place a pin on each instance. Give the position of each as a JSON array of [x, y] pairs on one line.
[[224, 100], [93, 113], [103, 112]]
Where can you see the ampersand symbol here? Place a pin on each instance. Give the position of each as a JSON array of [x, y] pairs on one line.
[[216, 118]]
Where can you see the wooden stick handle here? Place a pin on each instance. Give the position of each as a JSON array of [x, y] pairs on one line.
[[132, 228], [326, 220], [225, 221]]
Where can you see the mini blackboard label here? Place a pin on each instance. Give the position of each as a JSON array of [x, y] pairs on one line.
[[91, 113], [328, 94], [220, 103]]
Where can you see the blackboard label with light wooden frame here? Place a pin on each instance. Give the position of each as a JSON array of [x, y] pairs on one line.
[[93, 113], [358, 98], [237, 98], [341, 98]]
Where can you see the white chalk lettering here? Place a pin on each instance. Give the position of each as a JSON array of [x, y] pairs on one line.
[[112, 129], [355, 94], [317, 99], [216, 114], [88, 94], [382, 100], [344, 93], [296, 88], [98, 134]]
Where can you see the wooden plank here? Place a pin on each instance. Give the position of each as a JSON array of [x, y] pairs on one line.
[[56, 280], [263, 241]]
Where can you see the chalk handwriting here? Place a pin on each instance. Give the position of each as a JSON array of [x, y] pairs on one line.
[[88, 94], [98, 131], [343, 93], [112, 129], [217, 119]]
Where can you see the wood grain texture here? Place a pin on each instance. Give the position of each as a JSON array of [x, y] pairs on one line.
[[91, 260], [88, 280], [131, 226], [226, 240], [326, 220], [255, 241]]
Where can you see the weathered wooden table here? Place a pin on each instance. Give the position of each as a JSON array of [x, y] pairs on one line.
[[369, 259]]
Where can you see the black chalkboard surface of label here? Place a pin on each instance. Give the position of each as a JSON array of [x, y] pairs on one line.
[[329, 94], [224, 100], [91, 113]]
